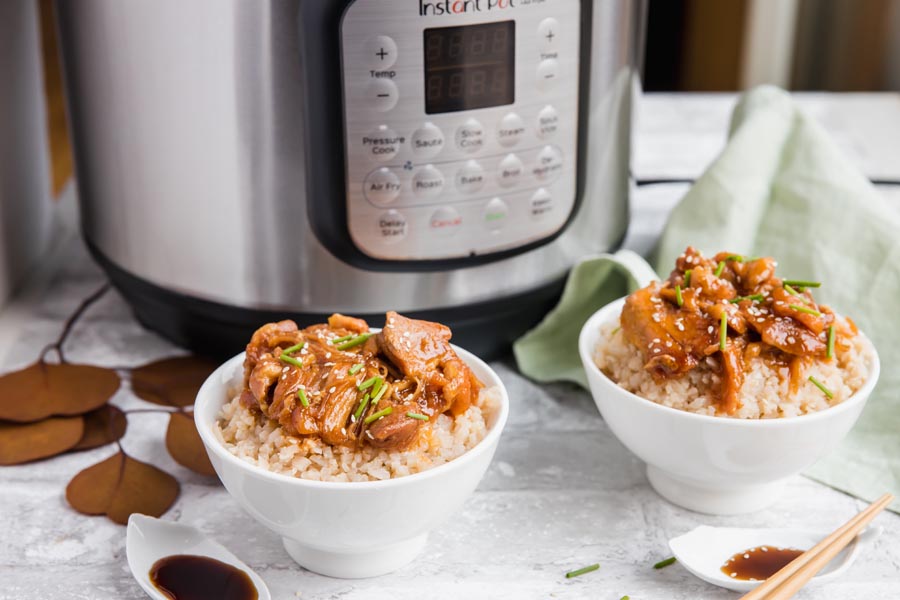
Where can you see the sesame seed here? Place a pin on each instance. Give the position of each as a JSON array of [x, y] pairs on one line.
[[328, 355], [764, 549], [332, 389], [746, 556], [655, 340], [680, 326], [656, 351], [791, 339], [734, 574], [710, 329], [761, 320]]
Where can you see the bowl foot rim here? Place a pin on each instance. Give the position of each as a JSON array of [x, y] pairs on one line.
[[714, 500], [356, 564]]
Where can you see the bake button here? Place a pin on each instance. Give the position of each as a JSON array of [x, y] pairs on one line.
[[382, 94], [511, 130], [383, 143], [547, 122], [470, 178], [382, 186], [547, 73], [428, 182], [541, 204], [445, 221], [380, 52], [495, 214], [549, 164], [510, 170], [548, 34], [427, 140], [392, 226], [470, 136]]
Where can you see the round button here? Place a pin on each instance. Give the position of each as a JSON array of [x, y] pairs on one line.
[[428, 182], [383, 143], [495, 214], [547, 73], [549, 164], [547, 122], [510, 170], [470, 178], [391, 226], [548, 34], [382, 186], [382, 95], [445, 221], [541, 204], [380, 52], [510, 130], [428, 140], [470, 136]]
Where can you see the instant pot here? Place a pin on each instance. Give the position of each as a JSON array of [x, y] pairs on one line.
[[241, 161]]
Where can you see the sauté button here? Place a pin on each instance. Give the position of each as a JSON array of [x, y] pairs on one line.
[[548, 34], [382, 94], [428, 140], [382, 186], [547, 122], [510, 170], [547, 73], [428, 182], [470, 177], [383, 144], [549, 164], [445, 221], [510, 130], [470, 136], [391, 226], [380, 52], [495, 214], [541, 204]]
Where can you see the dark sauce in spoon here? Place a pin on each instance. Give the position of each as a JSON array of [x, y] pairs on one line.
[[757, 564], [189, 577]]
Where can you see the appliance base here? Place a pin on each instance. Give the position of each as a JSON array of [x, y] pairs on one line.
[[219, 331]]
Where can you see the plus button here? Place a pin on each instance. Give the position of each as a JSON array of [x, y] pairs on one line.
[[381, 54], [550, 36]]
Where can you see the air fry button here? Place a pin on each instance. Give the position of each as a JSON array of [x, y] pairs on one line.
[[383, 144], [391, 226]]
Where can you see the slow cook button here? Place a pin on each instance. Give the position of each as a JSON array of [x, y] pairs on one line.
[[428, 182], [382, 186], [510, 171], [428, 140], [382, 94], [391, 226], [547, 122], [547, 73], [445, 221], [383, 144], [470, 177], [541, 204], [470, 136], [549, 164], [495, 214], [511, 129]]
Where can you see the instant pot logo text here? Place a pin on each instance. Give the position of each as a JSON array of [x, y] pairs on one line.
[[458, 7]]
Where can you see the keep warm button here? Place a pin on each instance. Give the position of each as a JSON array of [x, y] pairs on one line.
[[383, 144], [445, 221], [549, 164]]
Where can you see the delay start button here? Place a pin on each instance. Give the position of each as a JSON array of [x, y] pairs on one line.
[[383, 144], [470, 136], [392, 226]]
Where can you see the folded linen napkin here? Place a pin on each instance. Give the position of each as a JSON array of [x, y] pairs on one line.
[[780, 188]]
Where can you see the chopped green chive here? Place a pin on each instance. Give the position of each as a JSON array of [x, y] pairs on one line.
[[381, 413], [292, 349], [720, 268], [355, 369], [616, 330], [665, 563], [361, 408], [687, 277], [757, 297], [413, 415], [301, 394], [290, 360], [342, 339], [368, 383], [582, 570], [678, 298], [830, 342], [805, 309], [801, 284], [723, 331], [735, 258], [822, 387], [625, 598], [360, 339], [377, 396], [793, 292], [377, 387]]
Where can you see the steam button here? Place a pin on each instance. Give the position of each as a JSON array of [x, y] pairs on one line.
[[511, 130], [380, 52], [382, 94]]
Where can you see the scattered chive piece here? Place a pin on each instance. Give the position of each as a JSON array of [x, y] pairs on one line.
[[616, 330], [801, 284], [361, 408], [290, 360], [381, 413], [354, 341], [757, 297], [805, 309], [413, 415], [723, 331], [582, 570], [368, 383], [720, 268], [380, 393], [355, 368], [822, 387], [793, 292], [687, 277], [377, 387], [342, 339], [830, 342], [678, 297], [625, 598], [292, 349], [664, 563], [302, 395], [735, 258]]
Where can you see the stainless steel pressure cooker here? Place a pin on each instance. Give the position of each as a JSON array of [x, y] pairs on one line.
[[247, 160]]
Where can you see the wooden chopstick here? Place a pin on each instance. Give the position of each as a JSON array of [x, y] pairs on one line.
[[785, 583]]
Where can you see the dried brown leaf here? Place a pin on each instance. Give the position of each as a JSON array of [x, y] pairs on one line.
[[171, 381], [185, 445], [43, 390], [25, 442], [120, 486], [102, 426]]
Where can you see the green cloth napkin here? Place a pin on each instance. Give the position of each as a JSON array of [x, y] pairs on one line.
[[780, 188]]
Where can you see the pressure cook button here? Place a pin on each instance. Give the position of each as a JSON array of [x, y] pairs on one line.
[[382, 186], [383, 144], [445, 221], [428, 140], [470, 177], [428, 182], [541, 204], [549, 164], [510, 170], [380, 52], [511, 130], [470, 136], [547, 73], [391, 226], [547, 122], [495, 214], [382, 94], [548, 34]]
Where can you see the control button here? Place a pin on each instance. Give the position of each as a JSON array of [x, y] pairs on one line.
[[470, 178], [470, 136], [382, 186], [549, 164], [428, 140], [428, 182], [548, 34], [547, 122], [541, 204], [391, 227], [383, 143], [445, 221], [381, 52], [511, 130], [510, 170], [382, 94], [547, 73], [495, 214]]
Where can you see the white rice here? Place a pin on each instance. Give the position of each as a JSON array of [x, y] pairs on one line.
[[262, 442], [766, 391]]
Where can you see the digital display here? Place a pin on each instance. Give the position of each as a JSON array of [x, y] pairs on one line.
[[468, 67]]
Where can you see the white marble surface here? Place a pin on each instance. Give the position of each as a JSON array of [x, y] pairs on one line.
[[561, 493]]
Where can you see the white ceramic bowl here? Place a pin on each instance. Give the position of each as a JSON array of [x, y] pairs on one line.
[[351, 530], [714, 465]]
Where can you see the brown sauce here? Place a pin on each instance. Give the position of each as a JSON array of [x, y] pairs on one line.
[[757, 564], [188, 577]]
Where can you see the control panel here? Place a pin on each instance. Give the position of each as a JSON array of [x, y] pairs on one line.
[[461, 124]]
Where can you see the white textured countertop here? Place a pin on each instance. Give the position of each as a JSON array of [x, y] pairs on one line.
[[562, 492]]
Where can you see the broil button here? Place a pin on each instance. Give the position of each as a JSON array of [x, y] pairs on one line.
[[510, 171]]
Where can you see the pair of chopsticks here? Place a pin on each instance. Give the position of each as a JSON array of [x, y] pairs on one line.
[[786, 582]]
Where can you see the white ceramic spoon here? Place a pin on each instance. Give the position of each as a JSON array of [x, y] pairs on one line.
[[150, 539], [704, 550]]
